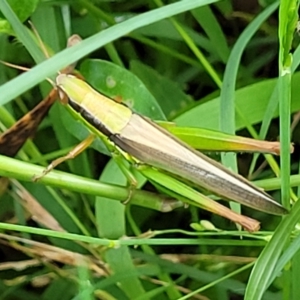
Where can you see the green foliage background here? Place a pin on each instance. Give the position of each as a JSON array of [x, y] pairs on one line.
[[206, 64]]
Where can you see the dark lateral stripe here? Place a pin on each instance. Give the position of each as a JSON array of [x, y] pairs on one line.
[[92, 120]]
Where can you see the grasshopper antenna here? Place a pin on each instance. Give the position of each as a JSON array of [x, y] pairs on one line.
[[14, 66], [24, 69]]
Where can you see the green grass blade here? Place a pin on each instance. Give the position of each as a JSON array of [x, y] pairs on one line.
[[68, 56]]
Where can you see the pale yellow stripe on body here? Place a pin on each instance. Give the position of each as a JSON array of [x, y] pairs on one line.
[[114, 115]]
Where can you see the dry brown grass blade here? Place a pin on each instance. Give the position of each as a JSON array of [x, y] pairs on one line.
[[19, 265], [38, 213], [12, 140], [56, 254]]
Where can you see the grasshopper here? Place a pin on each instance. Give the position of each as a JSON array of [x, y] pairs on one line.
[[142, 142]]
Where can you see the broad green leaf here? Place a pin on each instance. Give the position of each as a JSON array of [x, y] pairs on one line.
[[168, 94], [121, 85], [22, 8], [251, 100]]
